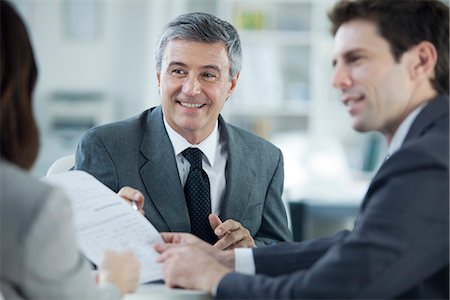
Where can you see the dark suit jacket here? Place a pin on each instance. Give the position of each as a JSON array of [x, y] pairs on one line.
[[137, 152], [399, 247]]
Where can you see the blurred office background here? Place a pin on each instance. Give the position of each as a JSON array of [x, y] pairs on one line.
[[96, 65]]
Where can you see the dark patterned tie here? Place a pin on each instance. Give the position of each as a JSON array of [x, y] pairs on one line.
[[197, 193]]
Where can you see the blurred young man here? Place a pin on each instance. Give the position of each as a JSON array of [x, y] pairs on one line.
[[391, 65]]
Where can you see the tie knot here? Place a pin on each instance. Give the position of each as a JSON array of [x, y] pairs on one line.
[[194, 156]]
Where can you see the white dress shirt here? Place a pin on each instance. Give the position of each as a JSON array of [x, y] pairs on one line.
[[400, 135], [214, 161], [243, 257]]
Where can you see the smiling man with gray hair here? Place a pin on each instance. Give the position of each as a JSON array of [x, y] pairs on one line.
[[196, 172]]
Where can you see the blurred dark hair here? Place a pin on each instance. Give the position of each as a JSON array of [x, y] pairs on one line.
[[404, 24], [18, 131]]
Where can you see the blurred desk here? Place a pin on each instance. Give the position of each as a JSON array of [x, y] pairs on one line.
[[158, 291], [313, 219], [323, 209]]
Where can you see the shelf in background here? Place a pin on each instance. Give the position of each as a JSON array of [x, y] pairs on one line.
[[289, 108], [275, 37]]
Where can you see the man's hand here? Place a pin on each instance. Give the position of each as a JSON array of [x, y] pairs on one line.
[[121, 270], [132, 196], [181, 268], [176, 239], [179, 239], [231, 234]]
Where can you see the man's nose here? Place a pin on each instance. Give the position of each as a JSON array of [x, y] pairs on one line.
[[341, 78], [191, 86]]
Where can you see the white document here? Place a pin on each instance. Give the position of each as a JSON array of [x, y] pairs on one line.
[[104, 221]]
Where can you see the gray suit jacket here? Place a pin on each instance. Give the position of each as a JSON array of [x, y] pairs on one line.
[[137, 152], [399, 247], [39, 258]]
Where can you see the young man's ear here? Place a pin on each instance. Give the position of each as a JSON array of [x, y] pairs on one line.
[[425, 59]]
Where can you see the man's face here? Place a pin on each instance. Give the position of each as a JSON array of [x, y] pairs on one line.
[[376, 89], [194, 83]]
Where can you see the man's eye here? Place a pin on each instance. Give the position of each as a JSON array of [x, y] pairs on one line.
[[209, 76], [354, 59], [178, 72]]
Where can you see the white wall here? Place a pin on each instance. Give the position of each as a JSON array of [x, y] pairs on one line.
[[118, 62]]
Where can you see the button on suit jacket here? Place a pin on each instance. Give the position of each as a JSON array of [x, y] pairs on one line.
[[138, 153]]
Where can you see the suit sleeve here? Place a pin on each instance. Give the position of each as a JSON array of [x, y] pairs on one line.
[[54, 267], [290, 257], [401, 239], [274, 226], [93, 157]]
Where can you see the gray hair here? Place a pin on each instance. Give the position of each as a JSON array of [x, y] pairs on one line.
[[203, 28]]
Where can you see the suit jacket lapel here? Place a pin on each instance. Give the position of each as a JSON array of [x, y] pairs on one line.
[[238, 173], [436, 109], [160, 174]]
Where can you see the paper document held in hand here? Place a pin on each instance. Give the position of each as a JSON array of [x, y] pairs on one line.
[[104, 221]]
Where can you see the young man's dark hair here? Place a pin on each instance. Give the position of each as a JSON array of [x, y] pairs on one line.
[[404, 24]]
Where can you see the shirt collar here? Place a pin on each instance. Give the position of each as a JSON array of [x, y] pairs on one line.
[[207, 146], [402, 131]]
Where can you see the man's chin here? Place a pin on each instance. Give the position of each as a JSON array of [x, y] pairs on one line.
[[361, 127]]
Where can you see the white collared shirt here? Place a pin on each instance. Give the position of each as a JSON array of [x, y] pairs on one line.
[[399, 136], [213, 161], [243, 258]]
